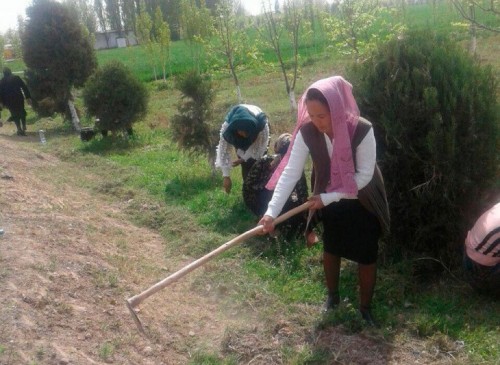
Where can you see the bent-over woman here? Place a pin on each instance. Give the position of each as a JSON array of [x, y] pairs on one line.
[[246, 128]]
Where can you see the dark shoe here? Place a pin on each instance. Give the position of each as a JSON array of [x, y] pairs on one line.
[[367, 316], [21, 133], [332, 301]]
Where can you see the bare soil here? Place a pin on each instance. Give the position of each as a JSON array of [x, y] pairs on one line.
[[70, 257]]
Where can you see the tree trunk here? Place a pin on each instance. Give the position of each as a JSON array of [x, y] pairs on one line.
[[74, 116], [473, 35], [238, 93], [291, 98]]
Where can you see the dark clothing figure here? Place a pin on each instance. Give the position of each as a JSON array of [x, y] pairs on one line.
[[13, 91]]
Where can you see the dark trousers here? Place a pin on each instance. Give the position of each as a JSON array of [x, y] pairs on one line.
[[484, 279], [19, 117]]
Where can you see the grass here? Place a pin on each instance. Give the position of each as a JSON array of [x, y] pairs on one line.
[[175, 194], [106, 351]]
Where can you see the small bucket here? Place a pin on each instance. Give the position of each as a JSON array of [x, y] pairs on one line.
[[87, 133]]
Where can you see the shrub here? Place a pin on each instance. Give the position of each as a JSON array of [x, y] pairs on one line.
[[116, 97], [47, 97], [192, 126], [435, 116]]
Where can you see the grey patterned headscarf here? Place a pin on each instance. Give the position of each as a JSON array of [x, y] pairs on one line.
[[282, 143]]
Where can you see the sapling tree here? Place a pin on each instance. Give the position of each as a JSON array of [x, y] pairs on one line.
[[196, 27], [277, 29], [350, 25], [353, 26], [294, 13], [232, 39], [162, 38], [489, 21], [192, 126], [144, 28]]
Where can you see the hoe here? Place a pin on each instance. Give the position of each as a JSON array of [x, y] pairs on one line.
[[139, 298]]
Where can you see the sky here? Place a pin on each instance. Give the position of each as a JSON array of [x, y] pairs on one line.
[[9, 10], [253, 6]]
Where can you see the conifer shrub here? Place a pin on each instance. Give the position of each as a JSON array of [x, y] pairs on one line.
[[435, 114], [192, 126], [58, 54], [116, 97]]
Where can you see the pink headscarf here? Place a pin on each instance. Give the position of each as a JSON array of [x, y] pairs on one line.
[[344, 114]]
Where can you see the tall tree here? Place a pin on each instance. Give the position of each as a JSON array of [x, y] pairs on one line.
[[101, 18], [113, 15], [212, 5], [129, 14], [85, 12], [171, 10], [2, 44], [57, 54]]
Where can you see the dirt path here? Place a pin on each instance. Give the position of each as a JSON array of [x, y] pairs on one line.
[[69, 257]]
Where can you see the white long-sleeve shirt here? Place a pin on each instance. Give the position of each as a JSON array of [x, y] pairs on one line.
[[256, 150], [365, 167]]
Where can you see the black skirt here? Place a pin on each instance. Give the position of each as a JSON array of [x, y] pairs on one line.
[[350, 231]]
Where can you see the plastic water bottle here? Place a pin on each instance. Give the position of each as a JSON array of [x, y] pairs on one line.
[[41, 132]]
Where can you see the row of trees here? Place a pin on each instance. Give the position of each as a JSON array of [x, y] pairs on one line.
[[120, 15], [218, 29], [354, 27]]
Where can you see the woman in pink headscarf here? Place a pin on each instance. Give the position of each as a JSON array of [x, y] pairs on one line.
[[348, 190]]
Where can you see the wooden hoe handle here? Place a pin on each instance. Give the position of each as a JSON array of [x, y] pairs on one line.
[[137, 299]]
